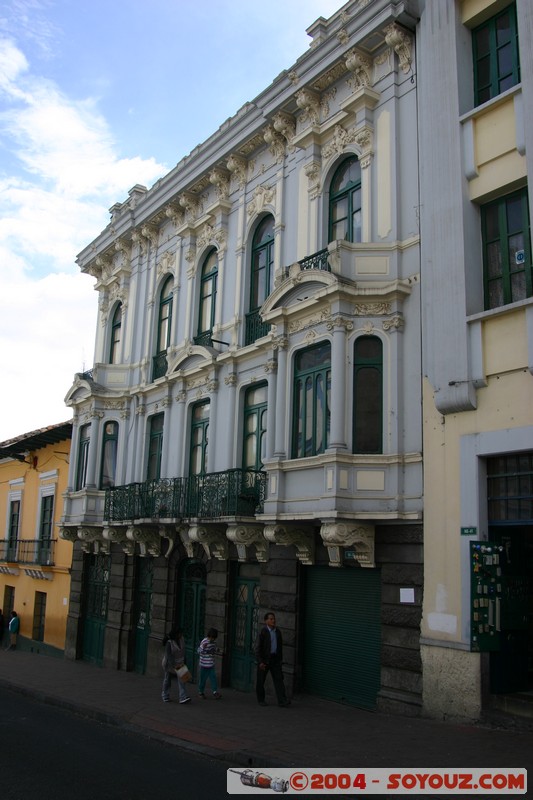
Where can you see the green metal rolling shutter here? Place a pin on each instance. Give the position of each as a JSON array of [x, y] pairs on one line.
[[342, 635]]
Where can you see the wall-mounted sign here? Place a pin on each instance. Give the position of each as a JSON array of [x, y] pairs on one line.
[[468, 531]]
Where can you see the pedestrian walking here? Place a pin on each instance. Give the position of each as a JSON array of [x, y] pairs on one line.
[[173, 660], [207, 650], [1, 626], [269, 654], [14, 627]]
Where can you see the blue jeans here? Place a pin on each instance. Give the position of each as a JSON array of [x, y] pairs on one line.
[[207, 673], [165, 691]]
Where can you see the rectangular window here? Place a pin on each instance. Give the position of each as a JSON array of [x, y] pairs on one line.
[[155, 448], [368, 395], [39, 614], [109, 455], [496, 64], [312, 390], [83, 456], [13, 530], [506, 250]]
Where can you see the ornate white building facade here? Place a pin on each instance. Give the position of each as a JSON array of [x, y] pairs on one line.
[[250, 436]]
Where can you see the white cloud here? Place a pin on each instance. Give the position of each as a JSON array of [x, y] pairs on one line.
[[62, 174]]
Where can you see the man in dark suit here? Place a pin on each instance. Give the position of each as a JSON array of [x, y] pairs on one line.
[[269, 654]]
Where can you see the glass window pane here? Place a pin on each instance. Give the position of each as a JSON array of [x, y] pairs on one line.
[[339, 209], [503, 29], [494, 260], [482, 41], [518, 286], [495, 294], [309, 417]]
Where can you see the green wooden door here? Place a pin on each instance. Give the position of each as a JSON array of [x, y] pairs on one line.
[[97, 570], [245, 627], [142, 610], [342, 634], [192, 611]]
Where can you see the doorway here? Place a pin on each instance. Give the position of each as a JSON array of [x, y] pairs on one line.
[[192, 610], [245, 626]]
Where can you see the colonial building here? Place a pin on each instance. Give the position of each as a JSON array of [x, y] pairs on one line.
[[34, 562], [475, 78], [250, 435]]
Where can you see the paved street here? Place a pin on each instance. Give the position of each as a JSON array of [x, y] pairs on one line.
[[311, 732], [56, 755]]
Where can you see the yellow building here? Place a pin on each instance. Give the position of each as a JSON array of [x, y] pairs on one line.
[[34, 561], [476, 149]]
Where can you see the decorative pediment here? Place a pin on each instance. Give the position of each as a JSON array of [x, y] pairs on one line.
[[299, 283], [194, 356], [353, 534]]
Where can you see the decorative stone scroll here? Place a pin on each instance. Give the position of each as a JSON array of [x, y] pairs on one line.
[[119, 536], [401, 43], [147, 538], [360, 536], [212, 539], [302, 540], [244, 536]]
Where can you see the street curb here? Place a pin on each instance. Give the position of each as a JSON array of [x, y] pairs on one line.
[[235, 757]]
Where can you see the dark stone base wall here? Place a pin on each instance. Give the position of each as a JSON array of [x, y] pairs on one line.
[[399, 554]]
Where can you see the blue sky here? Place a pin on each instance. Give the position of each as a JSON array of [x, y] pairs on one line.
[[95, 97]]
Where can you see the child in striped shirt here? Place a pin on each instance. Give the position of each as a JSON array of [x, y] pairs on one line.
[[206, 651]]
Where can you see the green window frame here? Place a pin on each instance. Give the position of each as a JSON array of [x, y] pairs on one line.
[[506, 239], [116, 325], [345, 202], [262, 263], [199, 438], [312, 395], [164, 319], [368, 395], [83, 456], [496, 57], [254, 426], [46, 526], [155, 447], [208, 295], [109, 455]]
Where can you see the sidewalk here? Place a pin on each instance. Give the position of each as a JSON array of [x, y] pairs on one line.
[[310, 733]]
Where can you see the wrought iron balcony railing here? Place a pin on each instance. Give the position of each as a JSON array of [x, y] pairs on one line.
[[28, 551], [316, 261], [255, 327], [235, 492], [204, 339], [159, 366]]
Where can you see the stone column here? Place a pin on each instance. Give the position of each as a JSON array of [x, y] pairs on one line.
[[339, 326]]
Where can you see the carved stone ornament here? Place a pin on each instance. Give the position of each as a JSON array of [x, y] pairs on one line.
[[151, 233], [361, 68], [183, 533], [341, 138], [275, 142], [147, 538], [263, 196], [68, 534], [244, 536], [212, 539], [401, 43], [209, 234], [372, 309], [352, 534], [395, 323], [309, 102], [92, 540], [284, 123], [191, 204], [312, 171], [303, 541], [220, 179], [238, 167], [339, 322], [119, 536]]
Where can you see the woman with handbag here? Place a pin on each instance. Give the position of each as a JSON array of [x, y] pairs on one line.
[[174, 660]]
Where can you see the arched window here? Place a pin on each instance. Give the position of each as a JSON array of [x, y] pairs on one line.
[[368, 395], [83, 456], [345, 202], [116, 325], [312, 389], [109, 455], [208, 297], [164, 326], [261, 278], [255, 413]]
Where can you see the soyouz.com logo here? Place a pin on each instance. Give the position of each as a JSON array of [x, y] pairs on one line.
[[492, 782]]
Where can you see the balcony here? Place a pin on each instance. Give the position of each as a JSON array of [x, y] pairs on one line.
[[255, 327], [159, 365], [235, 492], [28, 551]]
